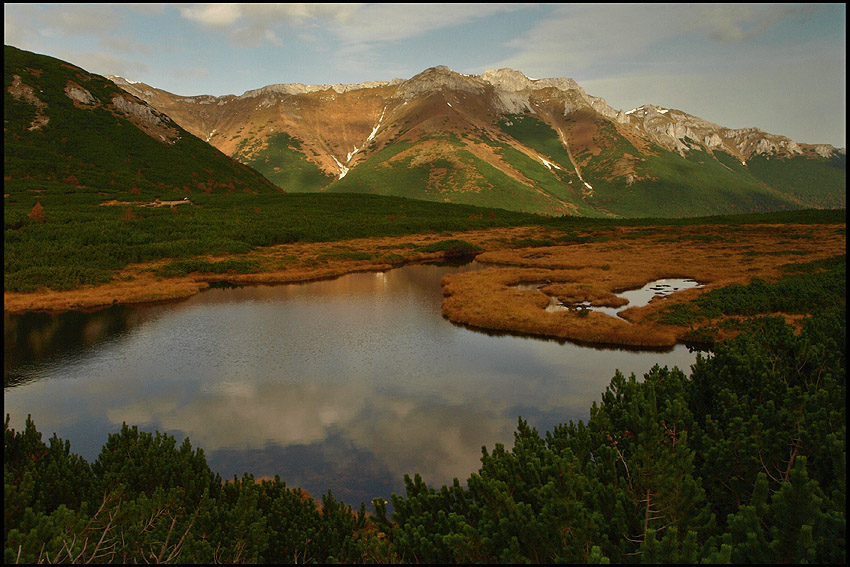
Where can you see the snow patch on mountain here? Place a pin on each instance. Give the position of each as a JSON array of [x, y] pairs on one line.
[[342, 169]]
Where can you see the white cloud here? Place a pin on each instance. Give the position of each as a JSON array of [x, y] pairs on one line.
[[253, 23], [580, 36], [215, 15], [254, 36], [13, 34], [148, 9], [300, 12], [349, 23], [125, 45], [740, 22], [102, 63]]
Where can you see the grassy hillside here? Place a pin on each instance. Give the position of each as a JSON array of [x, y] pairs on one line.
[[816, 181], [668, 184], [282, 162], [75, 243], [539, 136], [87, 190], [522, 164], [447, 169], [90, 188], [94, 148]]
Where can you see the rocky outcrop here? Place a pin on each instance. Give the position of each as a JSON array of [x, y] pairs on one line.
[[80, 95], [299, 88], [507, 80], [147, 119], [24, 92], [437, 79], [142, 112]]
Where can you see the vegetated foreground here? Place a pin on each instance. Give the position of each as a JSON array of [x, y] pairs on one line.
[[743, 461]]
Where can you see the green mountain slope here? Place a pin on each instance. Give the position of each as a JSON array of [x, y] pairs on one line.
[[64, 126], [816, 181], [282, 161], [458, 175], [500, 139], [673, 185]]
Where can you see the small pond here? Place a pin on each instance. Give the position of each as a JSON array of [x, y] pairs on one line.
[[636, 297], [341, 385]]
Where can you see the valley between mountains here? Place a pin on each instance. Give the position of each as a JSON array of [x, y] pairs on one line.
[[117, 192]]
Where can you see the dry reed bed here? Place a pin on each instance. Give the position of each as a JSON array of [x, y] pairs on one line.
[[631, 258], [578, 272], [281, 264]]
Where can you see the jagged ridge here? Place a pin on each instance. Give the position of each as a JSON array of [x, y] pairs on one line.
[[447, 136]]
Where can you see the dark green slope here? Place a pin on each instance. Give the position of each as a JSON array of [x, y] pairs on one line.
[[668, 184], [459, 176], [64, 157], [94, 147], [282, 161], [814, 181]]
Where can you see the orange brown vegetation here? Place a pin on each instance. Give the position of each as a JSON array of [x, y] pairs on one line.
[[715, 256], [37, 212], [285, 263]]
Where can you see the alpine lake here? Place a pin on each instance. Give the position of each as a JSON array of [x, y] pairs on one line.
[[340, 385]]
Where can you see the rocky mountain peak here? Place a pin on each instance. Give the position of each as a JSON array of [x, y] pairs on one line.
[[507, 79], [300, 88], [339, 129], [513, 81], [436, 79]]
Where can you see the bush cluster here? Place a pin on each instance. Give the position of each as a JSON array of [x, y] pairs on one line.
[[806, 288], [743, 461]]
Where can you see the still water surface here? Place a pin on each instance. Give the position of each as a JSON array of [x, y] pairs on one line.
[[341, 385]]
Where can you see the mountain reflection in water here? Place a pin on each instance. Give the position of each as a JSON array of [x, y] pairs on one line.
[[341, 385]]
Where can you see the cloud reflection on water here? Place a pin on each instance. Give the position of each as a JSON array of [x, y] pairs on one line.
[[345, 384]]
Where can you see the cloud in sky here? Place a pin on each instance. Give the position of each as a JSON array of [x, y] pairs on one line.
[[738, 64], [591, 38], [350, 23]]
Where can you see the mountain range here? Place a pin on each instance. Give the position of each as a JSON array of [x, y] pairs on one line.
[[498, 140]]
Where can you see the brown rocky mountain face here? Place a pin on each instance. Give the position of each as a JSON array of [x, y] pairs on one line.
[[502, 139]]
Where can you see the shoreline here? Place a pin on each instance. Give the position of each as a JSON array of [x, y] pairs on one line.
[[576, 272], [280, 265]]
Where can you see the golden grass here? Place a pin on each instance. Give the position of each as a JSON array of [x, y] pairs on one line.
[[286, 263], [716, 256], [595, 271]]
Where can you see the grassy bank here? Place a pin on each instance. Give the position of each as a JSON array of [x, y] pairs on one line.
[[62, 242]]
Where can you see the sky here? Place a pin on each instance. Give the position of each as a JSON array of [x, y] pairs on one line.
[[778, 67]]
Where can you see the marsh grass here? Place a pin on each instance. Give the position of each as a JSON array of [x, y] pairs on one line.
[[736, 283], [804, 288]]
